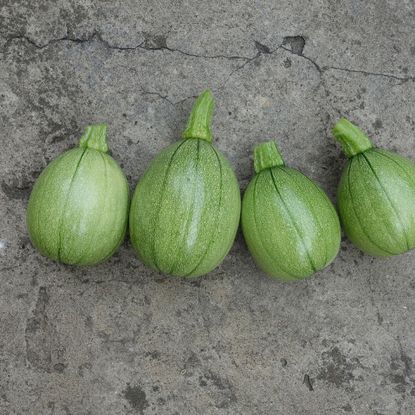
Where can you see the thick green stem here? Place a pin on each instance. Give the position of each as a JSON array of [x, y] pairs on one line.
[[198, 125], [95, 136], [352, 139], [266, 156]]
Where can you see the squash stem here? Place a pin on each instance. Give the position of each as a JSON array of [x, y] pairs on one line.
[[198, 125], [266, 156], [352, 139], [95, 136]]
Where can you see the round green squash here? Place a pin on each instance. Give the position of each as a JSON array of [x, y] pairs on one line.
[[290, 226], [186, 208], [376, 195], [78, 208]]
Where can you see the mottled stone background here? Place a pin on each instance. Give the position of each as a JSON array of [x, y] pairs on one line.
[[120, 339]]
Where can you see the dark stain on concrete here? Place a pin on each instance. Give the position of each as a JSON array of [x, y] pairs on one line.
[[16, 191], [225, 390], [136, 397], [195, 283], [220, 383], [89, 322], [83, 368], [24, 241], [408, 364], [379, 318], [155, 42], [337, 368], [59, 367], [154, 354], [287, 63], [296, 44], [66, 410], [262, 48], [191, 365], [377, 125], [401, 375], [37, 352], [42, 348], [308, 382]]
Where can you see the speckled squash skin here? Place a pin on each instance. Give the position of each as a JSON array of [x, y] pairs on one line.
[[186, 208], [376, 195], [78, 209], [290, 226]]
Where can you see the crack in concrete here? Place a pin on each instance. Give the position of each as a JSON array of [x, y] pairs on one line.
[[262, 50], [166, 98], [324, 69], [379, 317], [193, 55], [359, 71], [65, 38], [265, 50], [96, 36], [240, 67], [159, 43], [158, 94], [293, 52]]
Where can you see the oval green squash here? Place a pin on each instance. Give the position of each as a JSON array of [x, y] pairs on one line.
[[185, 210], [376, 195], [290, 226], [78, 208]]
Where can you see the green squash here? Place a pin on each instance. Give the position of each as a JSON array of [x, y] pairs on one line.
[[290, 226], [185, 210], [376, 195], [78, 209]]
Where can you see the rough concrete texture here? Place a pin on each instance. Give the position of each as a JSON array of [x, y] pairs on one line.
[[120, 339]]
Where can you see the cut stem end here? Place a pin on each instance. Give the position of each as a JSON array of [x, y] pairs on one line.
[[352, 139], [95, 136], [198, 125], [266, 156]]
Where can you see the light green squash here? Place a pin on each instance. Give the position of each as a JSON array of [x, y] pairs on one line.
[[290, 226], [376, 195], [78, 208], [185, 210]]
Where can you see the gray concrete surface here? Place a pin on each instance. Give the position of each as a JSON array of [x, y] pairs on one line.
[[120, 339]]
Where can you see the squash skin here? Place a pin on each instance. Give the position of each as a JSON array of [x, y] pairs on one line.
[[290, 226], [185, 210], [78, 209], [376, 200]]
